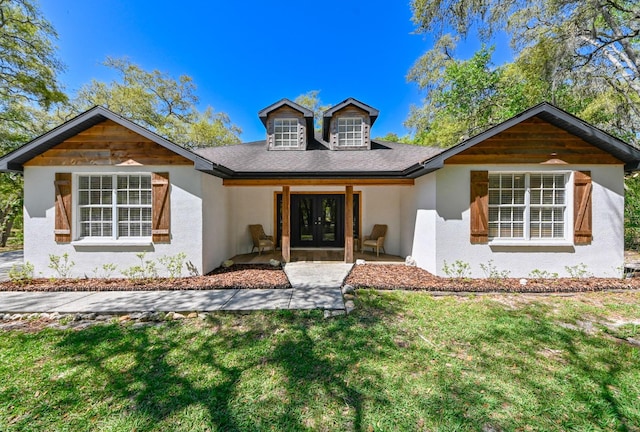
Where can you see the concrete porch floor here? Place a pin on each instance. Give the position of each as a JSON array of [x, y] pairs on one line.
[[315, 255]]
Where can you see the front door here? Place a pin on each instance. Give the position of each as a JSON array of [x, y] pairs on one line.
[[317, 220]]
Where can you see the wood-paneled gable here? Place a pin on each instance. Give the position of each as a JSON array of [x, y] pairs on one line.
[[533, 141], [108, 143]]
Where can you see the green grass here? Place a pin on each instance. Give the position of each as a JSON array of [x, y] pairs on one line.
[[401, 361]]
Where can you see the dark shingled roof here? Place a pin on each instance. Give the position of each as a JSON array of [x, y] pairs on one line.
[[385, 159]]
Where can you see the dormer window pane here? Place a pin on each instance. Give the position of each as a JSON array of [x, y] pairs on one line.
[[350, 132], [286, 133]]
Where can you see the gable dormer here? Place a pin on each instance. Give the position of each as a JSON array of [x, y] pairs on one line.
[[347, 126], [289, 125]]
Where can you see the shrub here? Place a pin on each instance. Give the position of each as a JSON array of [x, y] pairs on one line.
[[21, 274], [492, 273], [578, 271], [105, 271], [61, 265], [458, 270], [146, 270], [542, 274], [173, 264]]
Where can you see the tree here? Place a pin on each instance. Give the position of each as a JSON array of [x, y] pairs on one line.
[[28, 80], [586, 52], [311, 100], [160, 103]]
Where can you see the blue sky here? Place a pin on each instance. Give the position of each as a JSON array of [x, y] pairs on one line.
[[245, 55]]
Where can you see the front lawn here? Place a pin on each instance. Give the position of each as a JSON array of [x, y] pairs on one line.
[[401, 361]]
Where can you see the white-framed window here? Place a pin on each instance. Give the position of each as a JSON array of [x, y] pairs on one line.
[[285, 132], [114, 206], [350, 132], [528, 206]]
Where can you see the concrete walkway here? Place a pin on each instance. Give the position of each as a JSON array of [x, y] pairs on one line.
[[167, 301], [314, 286], [316, 275]]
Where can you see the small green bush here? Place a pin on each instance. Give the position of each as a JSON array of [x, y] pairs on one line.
[[492, 273], [21, 274], [173, 264], [61, 265], [578, 271], [105, 271], [458, 270], [542, 274], [146, 270]]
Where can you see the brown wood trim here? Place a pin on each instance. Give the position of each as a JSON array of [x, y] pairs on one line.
[[318, 182], [348, 224], [275, 206], [286, 224]]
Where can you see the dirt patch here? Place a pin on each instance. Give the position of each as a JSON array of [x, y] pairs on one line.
[[390, 277], [238, 276]]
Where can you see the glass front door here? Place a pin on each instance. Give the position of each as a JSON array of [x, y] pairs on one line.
[[317, 220]]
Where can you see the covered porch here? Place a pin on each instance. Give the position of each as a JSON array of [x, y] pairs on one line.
[[319, 219], [315, 255]]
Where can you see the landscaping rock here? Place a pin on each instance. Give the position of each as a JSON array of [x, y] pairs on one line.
[[89, 316], [178, 316], [203, 316], [144, 316], [157, 316], [138, 325], [124, 318], [83, 325], [360, 262], [348, 289], [102, 317], [349, 306], [192, 315], [334, 313], [349, 296], [410, 261], [274, 263]]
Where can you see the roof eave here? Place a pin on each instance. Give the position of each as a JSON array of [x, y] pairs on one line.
[[246, 175]]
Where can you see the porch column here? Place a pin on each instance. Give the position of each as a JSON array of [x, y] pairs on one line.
[[348, 225], [286, 224]]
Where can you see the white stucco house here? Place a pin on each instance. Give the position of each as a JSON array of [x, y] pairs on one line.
[[543, 190]]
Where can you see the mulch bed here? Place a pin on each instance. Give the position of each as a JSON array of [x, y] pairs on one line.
[[400, 277], [376, 276], [237, 276]]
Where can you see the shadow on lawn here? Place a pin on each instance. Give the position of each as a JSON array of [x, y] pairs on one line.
[[569, 379], [225, 367]]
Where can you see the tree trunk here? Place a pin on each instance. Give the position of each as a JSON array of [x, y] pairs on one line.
[[6, 232]]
